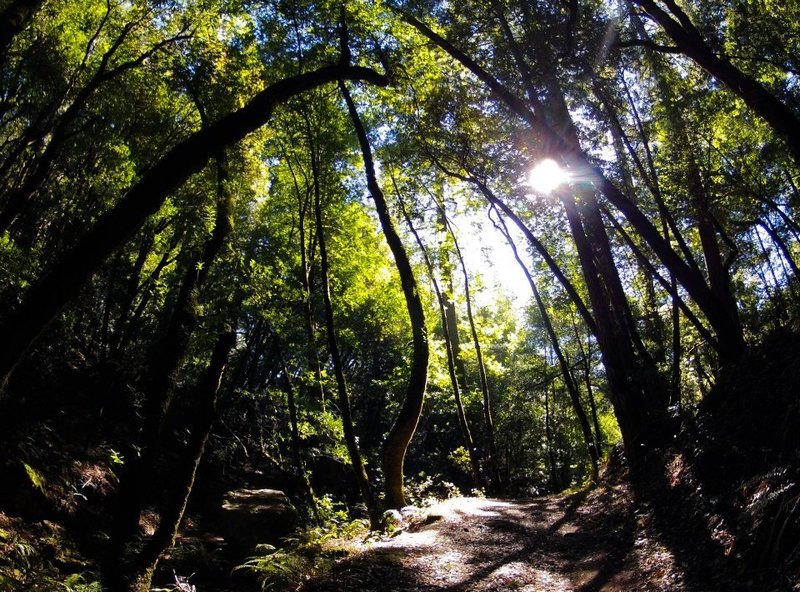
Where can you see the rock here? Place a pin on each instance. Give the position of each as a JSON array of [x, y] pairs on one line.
[[392, 519], [254, 516]]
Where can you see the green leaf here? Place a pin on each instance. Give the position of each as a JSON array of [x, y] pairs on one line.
[[37, 479]]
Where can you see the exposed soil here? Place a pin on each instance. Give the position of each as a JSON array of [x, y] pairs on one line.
[[547, 544], [716, 510]]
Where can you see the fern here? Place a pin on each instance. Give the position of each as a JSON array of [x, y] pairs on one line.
[[37, 479]]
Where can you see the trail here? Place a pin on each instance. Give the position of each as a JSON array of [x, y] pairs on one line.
[[548, 544]]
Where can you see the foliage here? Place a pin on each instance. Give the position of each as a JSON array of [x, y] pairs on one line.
[[426, 490], [94, 94], [311, 552], [33, 558]]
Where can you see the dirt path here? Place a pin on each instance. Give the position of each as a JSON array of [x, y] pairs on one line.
[[549, 544]]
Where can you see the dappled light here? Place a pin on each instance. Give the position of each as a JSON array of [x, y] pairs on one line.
[[399, 296], [541, 545]]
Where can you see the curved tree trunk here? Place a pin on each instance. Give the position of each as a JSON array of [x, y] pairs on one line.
[[45, 299], [399, 437]]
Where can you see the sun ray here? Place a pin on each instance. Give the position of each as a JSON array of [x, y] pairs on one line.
[[547, 175]]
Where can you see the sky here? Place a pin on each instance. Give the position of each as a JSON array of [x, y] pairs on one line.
[[486, 250]]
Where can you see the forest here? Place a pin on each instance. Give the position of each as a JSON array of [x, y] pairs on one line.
[[281, 279]]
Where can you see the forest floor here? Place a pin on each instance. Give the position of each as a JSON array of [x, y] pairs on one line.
[[717, 509], [546, 544]]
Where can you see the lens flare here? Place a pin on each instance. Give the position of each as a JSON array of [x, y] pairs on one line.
[[546, 176]]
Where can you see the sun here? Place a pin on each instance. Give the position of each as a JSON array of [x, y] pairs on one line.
[[547, 175]]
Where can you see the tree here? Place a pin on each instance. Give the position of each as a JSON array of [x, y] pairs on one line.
[[677, 24], [449, 329], [44, 300], [405, 424], [336, 359], [592, 445]]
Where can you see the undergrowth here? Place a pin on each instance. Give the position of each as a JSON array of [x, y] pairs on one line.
[[33, 558], [310, 552]]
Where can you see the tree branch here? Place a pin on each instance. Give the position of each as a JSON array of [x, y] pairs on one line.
[[646, 43]]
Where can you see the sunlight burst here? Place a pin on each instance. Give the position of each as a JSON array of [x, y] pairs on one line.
[[547, 175]]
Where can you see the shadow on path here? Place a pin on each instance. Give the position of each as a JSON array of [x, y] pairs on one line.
[[544, 545]]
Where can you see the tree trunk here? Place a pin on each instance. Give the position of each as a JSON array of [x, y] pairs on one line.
[[718, 277], [350, 439], [166, 357], [636, 386], [136, 575], [484, 383], [306, 258], [129, 327], [778, 296], [783, 120], [781, 244], [668, 224], [548, 434], [448, 295], [447, 332], [132, 288], [669, 285], [731, 339], [557, 272], [399, 437], [463, 423], [296, 442], [572, 389], [587, 378], [44, 300]]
